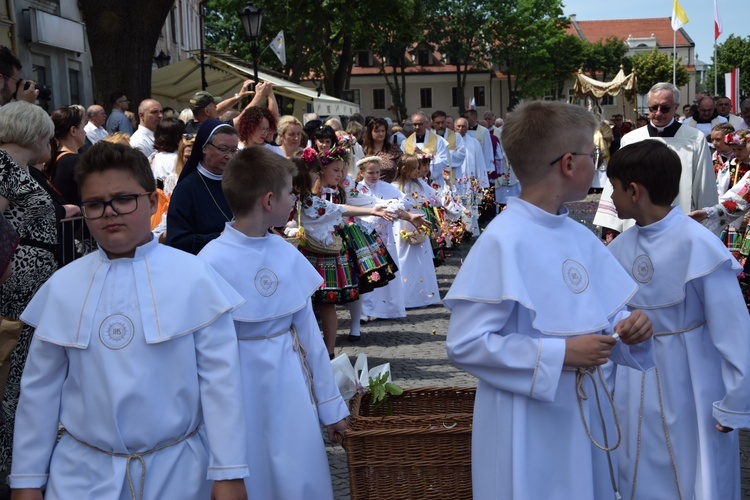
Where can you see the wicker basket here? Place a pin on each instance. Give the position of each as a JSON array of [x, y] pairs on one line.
[[420, 450]]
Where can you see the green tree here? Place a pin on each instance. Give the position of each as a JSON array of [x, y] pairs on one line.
[[522, 30], [320, 35], [455, 28], [733, 53], [604, 57], [653, 67], [122, 39], [561, 56], [391, 34]]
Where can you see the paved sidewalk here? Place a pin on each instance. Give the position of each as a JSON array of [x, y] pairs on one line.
[[415, 348]]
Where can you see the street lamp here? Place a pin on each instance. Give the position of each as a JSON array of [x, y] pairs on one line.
[[162, 59], [251, 18]]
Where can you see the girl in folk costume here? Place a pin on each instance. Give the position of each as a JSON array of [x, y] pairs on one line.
[[455, 218], [738, 163], [729, 217], [322, 216], [388, 301], [415, 255], [721, 156]]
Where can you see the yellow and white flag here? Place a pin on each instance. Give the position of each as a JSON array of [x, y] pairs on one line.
[[679, 18], [279, 47]]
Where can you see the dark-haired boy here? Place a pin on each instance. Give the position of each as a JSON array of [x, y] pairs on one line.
[[288, 384], [536, 323], [135, 355], [677, 420]]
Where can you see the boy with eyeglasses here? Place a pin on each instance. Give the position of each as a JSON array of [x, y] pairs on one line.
[[135, 355], [538, 324]]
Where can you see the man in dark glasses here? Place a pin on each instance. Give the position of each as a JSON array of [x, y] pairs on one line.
[[697, 182]]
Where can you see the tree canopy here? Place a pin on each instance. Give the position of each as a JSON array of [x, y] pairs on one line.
[[653, 67], [733, 53]]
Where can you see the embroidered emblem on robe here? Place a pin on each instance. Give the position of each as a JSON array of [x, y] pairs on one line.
[[575, 276], [116, 331], [643, 269], [266, 282]]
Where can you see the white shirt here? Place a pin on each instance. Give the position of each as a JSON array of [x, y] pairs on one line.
[[143, 140], [94, 133]]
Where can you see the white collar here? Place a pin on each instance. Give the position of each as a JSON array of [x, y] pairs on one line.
[[206, 173]]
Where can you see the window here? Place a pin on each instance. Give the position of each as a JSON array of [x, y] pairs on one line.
[[577, 102], [425, 98], [363, 59], [378, 98], [479, 96], [74, 78], [607, 100], [355, 96], [173, 25], [423, 57], [454, 97]]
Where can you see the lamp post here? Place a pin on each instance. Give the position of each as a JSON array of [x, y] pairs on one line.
[[162, 59], [251, 18]]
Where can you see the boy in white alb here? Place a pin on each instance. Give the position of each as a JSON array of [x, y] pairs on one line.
[[678, 419], [135, 355], [536, 323], [288, 383]]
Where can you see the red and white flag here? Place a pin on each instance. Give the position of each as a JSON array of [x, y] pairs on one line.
[[717, 21], [732, 82]]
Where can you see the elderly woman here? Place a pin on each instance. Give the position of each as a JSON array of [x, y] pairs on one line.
[[198, 210], [289, 135], [25, 132]]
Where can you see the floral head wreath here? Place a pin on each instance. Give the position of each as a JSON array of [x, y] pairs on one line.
[[739, 138], [347, 141], [425, 157], [337, 152], [309, 155]]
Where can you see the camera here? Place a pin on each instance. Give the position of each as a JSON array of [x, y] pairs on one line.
[[45, 92]]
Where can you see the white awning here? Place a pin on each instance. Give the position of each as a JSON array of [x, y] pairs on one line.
[[175, 84]]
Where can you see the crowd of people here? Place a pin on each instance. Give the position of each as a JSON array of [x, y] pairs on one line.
[[197, 336]]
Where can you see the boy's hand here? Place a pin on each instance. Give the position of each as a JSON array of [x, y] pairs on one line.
[[587, 351], [698, 215], [635, 328], [336, 431], [26, 494], [231, 489]]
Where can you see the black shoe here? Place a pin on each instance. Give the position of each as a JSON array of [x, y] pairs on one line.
[[331, 356], [354, 338]]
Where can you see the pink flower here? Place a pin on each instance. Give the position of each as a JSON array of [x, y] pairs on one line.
[[375, 276]]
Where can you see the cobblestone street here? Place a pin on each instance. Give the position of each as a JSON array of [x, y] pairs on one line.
[[415, 348]]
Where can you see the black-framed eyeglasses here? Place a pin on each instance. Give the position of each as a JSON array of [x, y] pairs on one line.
[[14, 79], [222, 150], [663, 108], [122, 205], [595, 155]]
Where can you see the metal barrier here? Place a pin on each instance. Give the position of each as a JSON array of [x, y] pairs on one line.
[[75, 238]]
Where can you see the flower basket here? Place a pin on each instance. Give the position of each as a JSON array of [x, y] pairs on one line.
[[415, 446]]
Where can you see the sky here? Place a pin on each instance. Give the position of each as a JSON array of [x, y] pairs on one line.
[[700, 13]]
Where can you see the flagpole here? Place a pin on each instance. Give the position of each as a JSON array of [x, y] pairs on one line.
[[674, 57], [716, 71]]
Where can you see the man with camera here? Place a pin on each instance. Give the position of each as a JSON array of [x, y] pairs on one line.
[[13, 86]]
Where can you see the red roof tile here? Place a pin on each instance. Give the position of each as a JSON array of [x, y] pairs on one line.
[[661, 27]]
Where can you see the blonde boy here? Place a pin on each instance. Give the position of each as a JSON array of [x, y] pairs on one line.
[[288, 384], [534, 313], [134, 354]]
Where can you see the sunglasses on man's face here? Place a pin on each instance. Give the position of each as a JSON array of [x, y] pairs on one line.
[[663, 108]]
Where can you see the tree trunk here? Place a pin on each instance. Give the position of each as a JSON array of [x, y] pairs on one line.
[[122, 39]]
